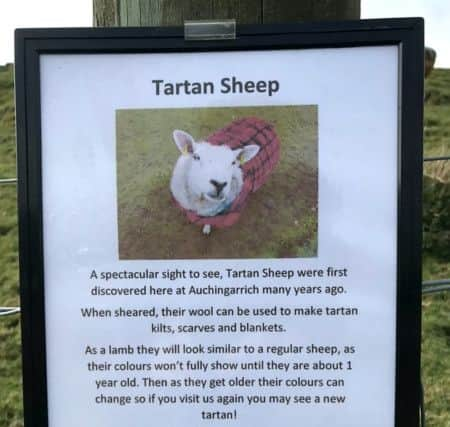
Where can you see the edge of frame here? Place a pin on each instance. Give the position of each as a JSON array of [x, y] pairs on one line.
[[409, 238], [27, 101]]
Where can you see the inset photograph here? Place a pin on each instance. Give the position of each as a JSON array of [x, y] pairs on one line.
[[232, 182]]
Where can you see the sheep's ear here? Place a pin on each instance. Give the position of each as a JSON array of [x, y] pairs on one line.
[[247, 153], [184, 141]]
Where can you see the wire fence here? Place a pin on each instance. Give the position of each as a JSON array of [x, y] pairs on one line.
[[8, 181], [6, 311], [428, 287], [432, 286], [435, 159]]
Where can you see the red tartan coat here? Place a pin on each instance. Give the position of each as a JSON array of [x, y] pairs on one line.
[[255, 172]]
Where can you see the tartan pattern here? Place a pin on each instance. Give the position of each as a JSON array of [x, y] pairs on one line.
[[255, 172]]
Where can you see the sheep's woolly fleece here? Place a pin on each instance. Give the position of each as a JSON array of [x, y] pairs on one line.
[[255, 172]]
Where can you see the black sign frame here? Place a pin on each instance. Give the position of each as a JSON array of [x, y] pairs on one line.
[[407, 34]]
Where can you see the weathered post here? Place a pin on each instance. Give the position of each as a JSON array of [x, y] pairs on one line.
[[137, 13]]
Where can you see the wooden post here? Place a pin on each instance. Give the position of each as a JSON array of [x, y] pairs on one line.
[[138, 13]]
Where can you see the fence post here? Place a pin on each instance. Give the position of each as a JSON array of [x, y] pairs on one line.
[[138, 13]]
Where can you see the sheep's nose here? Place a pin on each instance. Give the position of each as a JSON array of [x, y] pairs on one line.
[[219, 185]]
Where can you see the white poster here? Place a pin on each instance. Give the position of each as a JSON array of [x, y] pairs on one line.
[[220, 237]]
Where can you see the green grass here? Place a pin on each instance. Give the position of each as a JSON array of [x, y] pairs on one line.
[[436, 353], [10, 361], [437, 116], [436, 308], [437, 88]]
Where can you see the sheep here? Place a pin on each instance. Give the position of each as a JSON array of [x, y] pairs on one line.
[[213, 177]]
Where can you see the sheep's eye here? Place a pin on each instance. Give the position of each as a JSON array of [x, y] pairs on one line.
[[196, 157], [234, 162]]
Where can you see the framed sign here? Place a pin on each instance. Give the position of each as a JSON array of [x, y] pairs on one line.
[[221, 232]]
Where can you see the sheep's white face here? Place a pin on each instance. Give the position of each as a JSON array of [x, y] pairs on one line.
[[213, 171]]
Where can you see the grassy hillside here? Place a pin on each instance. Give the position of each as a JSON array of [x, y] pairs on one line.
[[436, 322], [436, 308], [10, 365]]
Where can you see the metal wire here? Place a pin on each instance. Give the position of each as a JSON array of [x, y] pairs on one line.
[[434, 289], [435, 159], [436, 282], [422, 404], [7, 311], [8, 180], [433, 286]]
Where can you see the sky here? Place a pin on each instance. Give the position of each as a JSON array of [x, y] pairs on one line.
[[78, 13]]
